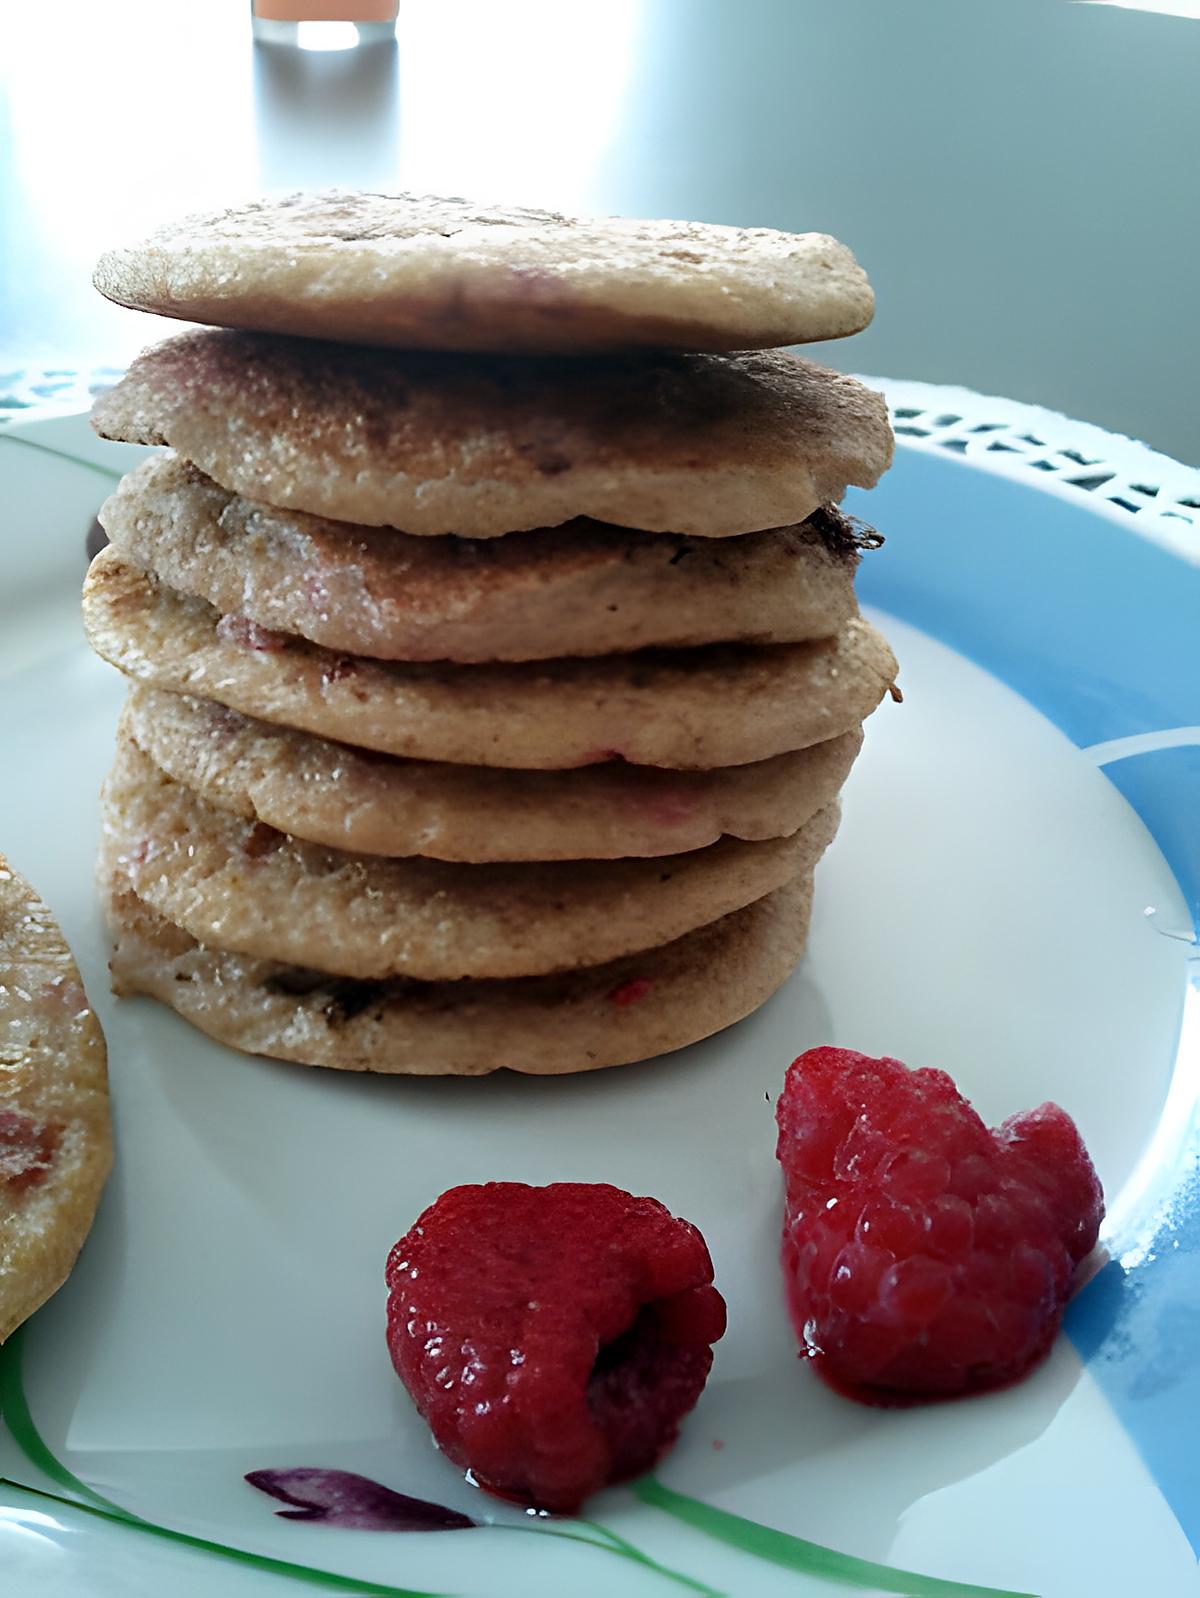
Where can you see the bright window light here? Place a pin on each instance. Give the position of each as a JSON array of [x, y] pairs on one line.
[[326, 35], [1167, 8]]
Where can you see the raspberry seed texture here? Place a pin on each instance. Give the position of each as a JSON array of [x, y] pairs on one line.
[[925, 1256], [553, 1338]]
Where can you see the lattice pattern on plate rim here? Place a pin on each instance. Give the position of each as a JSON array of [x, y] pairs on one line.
[[1020, 440]]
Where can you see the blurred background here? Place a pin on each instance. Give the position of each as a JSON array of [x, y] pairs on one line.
[[1021, 179]]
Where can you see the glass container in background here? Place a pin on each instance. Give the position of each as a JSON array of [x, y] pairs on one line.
[[324, 24], [326, 95]]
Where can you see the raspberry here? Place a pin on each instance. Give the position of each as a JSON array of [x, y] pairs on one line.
[[924, 1255], [553, 1338]]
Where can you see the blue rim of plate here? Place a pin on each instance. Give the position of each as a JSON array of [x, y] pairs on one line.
[[1118, 674]]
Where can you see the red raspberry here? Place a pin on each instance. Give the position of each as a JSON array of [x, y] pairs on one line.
[[553, 1338], [923, 1254]]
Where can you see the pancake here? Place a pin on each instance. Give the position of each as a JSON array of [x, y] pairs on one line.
[[55, 1142], [686, 709], [580, 589], [707, 445], [634, 1008], [445, 274], [241, 886], [374, 804]]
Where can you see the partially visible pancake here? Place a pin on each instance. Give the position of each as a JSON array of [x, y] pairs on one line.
[[375, 804], [686, 709], [445, 274], [55, 1143], [580, 589], [709, 445], [241, 886], [643, 1005]]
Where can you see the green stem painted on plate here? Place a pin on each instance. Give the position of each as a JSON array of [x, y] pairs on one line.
[[617, 1544], [14, 1409], [277, 1567], [795, 1553], [779, 1547], [109, 472], [607, 1542]]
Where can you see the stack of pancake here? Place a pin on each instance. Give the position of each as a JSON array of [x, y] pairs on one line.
[[495, 662]]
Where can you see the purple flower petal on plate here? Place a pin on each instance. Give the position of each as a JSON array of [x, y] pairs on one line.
[[341, 1498]]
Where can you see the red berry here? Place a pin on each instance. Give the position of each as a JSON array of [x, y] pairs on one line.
[[626, 993], [923, 1254], [553, 1338]]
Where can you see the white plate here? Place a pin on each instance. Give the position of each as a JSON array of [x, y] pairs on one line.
[[986, 908]]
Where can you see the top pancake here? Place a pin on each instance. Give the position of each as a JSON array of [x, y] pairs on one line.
[[420, 272], [708, 445]]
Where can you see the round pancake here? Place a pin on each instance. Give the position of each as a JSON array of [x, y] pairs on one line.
[[55, 1143], [374, 804], [580, 589], [709, 445], [635, 1008], [241, 886], [688, 709], [423, 272]]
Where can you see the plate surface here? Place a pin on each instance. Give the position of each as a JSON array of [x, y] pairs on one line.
[[993, 905]]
